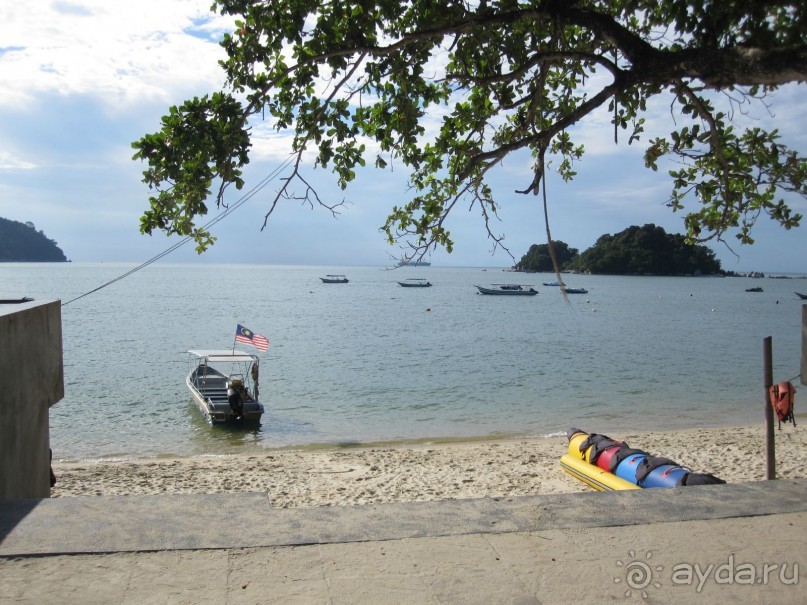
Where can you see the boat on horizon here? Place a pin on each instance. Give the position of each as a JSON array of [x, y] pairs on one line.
[[509, 290], [413, 263], [334, 279], [227, 392]]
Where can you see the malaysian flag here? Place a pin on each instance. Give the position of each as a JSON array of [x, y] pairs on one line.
[[249, 337]]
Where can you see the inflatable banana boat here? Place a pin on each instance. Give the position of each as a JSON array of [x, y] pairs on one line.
[[608, 464]]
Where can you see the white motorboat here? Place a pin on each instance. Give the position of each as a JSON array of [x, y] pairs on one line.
[[334, 279], [224, 385]]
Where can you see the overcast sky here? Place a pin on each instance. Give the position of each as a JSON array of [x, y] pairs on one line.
[[80, 80]]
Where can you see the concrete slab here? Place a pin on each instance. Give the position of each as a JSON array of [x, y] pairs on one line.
[[631, 564], [192, 522]]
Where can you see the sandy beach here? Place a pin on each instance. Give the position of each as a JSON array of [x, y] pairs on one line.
[[427, 471]]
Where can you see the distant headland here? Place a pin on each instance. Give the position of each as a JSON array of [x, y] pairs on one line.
[[646, 250], [22, 243]]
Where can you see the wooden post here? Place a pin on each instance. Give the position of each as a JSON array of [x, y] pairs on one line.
[[770, 445]]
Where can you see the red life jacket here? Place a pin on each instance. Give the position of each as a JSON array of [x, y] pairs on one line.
[[782, 399]]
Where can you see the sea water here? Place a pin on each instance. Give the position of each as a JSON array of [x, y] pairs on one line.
[[370, 361]]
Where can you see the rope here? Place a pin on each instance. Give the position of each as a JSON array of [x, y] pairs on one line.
[[230, 209]]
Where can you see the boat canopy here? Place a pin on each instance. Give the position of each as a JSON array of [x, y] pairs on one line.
[[223, 355]]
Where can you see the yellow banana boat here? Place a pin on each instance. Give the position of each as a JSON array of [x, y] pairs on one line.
[[582, 469]]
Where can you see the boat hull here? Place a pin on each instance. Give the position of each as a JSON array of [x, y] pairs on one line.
[[503, 292], [593, 475]]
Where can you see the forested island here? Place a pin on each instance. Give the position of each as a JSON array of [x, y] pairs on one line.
[[647, 250], [22, 243]]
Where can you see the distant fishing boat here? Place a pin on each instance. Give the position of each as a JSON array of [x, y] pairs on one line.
[[334, 279], [509, 290], [415, 282], [568, 290]]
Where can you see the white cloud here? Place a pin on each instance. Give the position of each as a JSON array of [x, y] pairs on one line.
[[10, 161], [120, 52]]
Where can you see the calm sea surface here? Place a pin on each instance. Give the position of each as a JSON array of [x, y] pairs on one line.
[[369, 361]]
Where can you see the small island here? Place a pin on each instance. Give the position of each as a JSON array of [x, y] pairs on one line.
[[22, 243], [647, 250]]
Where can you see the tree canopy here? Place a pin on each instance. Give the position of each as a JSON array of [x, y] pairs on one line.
[[539, 257], [363, 81], [646, 250]]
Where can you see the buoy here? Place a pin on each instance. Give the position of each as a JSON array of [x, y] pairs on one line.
[[428, 308]]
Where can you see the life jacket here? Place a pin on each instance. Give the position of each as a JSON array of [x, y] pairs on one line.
[[699, 479], [650, 463], [782, 399], [572, 432], [598, 444], [621, 453]]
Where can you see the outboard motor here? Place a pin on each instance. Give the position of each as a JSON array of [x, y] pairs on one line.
[[234, 398]]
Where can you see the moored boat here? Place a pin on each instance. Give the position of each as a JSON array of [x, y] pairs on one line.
[[415, 282], [334, 279], [801, 296], [509, 290], [568, 290], [224, 385]]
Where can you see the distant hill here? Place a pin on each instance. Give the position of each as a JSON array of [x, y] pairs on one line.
[[539, 259], [647, 250], [22, 243]]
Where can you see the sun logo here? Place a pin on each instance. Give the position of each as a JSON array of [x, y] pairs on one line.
[[638, 574]]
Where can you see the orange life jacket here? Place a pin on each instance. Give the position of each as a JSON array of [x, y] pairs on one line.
[[782, 399]]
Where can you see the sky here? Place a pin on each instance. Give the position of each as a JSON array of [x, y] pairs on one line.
[[81, 79]]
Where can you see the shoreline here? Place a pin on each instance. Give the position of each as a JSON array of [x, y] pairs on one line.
[[424, 470]]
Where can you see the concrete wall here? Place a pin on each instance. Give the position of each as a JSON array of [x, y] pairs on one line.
[[31, 381]]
